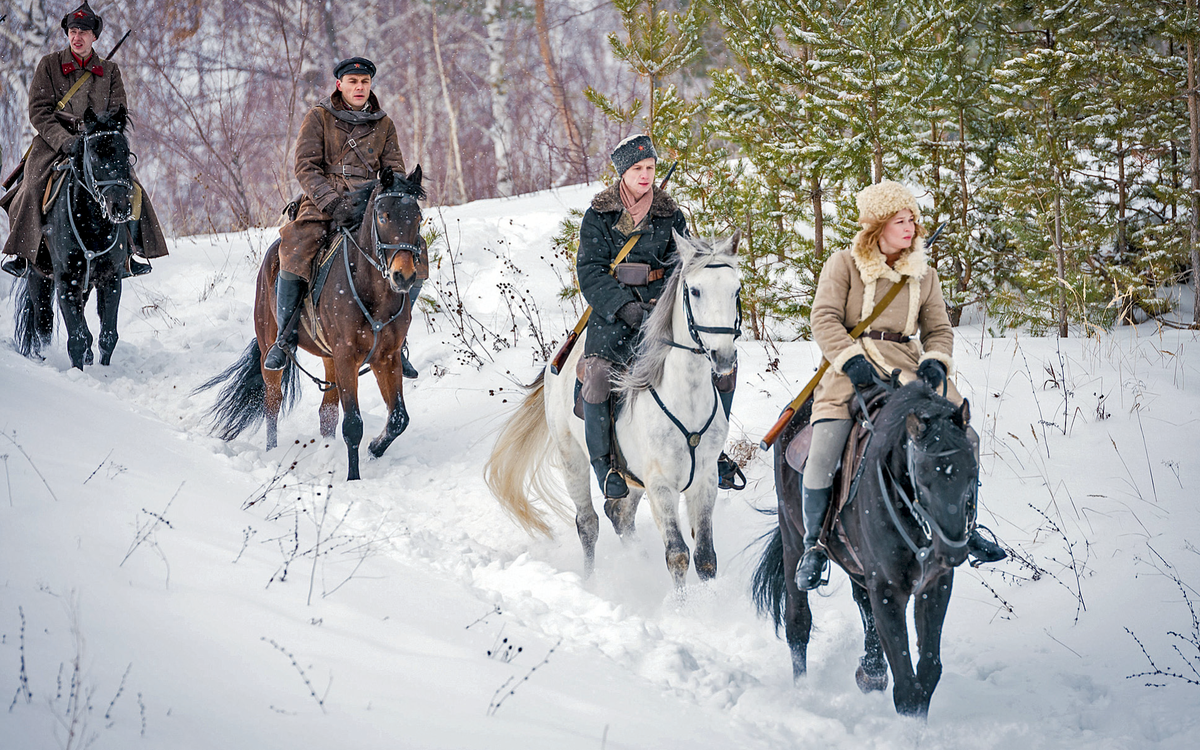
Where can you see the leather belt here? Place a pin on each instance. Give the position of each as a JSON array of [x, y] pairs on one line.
[[345, 170], [887, 336], [655, 275]]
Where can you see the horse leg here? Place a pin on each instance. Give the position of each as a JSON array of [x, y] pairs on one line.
[[35, 320], [391, 387], [352, 424], [622, 512], [79, 338], [700, 502], [872, 667], [929, 613], [329, 410], [272, 402], [889, 605], [664, 503], [797, 617], [108, 302]]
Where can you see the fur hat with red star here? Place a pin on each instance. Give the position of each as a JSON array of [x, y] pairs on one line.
[[632, 150], [84, 18]]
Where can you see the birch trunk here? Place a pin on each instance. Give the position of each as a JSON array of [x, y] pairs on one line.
[[499, 132], [452, 116], [1194, 168], [576, 156]]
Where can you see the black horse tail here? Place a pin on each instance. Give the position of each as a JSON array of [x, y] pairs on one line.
[[240, 402], [768, 583], [33, 323]]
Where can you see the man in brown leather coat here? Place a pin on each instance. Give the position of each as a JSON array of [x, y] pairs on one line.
[[343, 143], [57, 132]]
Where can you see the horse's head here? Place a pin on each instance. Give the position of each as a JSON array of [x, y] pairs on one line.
[[709, 307], [942, 470], [104, 163], [396, 226]]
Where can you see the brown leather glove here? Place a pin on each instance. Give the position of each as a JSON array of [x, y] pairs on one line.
[[633, 313]]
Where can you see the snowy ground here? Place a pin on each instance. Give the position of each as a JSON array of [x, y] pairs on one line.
[[160, 588]]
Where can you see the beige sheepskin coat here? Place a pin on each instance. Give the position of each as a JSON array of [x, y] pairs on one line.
[[851, 284]]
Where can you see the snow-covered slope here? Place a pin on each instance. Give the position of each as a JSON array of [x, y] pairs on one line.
[[161, 588]]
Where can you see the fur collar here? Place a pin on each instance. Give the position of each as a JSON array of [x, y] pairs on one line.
[[872, 265], [609, 200]]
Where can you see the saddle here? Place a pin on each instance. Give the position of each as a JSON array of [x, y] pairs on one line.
[[319, 274], [845, 483]]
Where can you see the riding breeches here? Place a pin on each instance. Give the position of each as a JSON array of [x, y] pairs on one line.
[[299, 243], [828, 443]]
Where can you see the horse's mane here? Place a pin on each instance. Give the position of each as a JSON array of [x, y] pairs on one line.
[[650, 352], [402, 184], [891, 421]]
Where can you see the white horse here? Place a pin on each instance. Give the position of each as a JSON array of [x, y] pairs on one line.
[[670, 431]]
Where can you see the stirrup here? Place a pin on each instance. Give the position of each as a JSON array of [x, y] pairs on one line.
[[138, 268], [982, 550], [622, 488], [406, 367], [729, 473], [276, 362]]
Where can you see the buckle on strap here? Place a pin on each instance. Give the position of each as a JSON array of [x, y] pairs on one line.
[[352, 143]]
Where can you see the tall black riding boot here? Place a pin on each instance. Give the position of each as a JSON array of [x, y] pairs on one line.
[[597, 430], [729, 474], [289, 291], [983, 550], [815, 505], [406, 367]]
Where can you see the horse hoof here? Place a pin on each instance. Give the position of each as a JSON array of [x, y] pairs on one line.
[[870, 683], [87, 357]]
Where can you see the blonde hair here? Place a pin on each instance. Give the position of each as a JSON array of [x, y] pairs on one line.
[[868, 236]]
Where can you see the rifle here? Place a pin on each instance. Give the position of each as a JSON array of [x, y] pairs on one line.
[[19, 170], [790, 410], [556, 362]]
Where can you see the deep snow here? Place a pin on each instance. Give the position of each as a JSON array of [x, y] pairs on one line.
[[177, 570]]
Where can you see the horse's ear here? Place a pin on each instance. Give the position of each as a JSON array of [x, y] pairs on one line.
[[89, 118], [415, 176], [916, 427], [732, 247], [684, 246], [120, 118], [962, 416], [387, 178]]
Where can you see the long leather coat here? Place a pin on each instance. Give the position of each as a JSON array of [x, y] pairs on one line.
[[103, 92], [605, 228]]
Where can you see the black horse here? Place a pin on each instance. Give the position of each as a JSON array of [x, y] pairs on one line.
[[87, 236], [899, 536]]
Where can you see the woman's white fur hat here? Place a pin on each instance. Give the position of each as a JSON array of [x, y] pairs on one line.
[[885, 199]]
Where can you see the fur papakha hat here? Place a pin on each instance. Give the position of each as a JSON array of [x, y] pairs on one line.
[[632, 150], [885, 199]]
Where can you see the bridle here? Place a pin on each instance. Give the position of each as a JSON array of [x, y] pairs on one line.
[[94, 188], [693, 439], [385, 252]]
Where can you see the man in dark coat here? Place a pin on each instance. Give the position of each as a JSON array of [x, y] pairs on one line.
[[634, 206], [57, 131], [343, 144]]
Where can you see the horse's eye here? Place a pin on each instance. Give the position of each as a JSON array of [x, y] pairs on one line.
[[696, 293]]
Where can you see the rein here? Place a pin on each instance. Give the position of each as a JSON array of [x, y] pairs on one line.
[[693, 438], [929, 526], [94, 188]]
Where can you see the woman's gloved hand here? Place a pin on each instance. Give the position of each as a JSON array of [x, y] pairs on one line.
[[933, 373], [860, 371]]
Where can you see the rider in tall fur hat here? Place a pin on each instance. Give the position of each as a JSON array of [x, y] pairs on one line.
[[913, 335], [57, 135]]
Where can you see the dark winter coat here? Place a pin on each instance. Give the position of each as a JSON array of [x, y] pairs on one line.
[[605, 228], [102, 92]]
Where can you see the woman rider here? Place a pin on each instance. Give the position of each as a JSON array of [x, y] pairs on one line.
[[634, 206], [887, 249]]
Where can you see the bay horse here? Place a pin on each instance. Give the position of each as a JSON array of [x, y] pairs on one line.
[[900, 536], [87, 236], [670, 429], [360, 320]]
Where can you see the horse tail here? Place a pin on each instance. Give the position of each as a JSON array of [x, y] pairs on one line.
[[24, 327], [240, 402], [768, 583], [515, 470]]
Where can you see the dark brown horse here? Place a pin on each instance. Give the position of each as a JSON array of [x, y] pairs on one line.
[[360, 321], [899, 537]]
